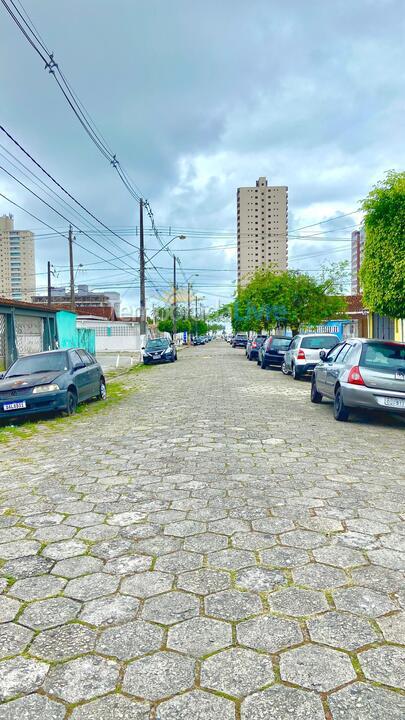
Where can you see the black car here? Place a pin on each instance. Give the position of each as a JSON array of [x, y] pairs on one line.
[[253, 346], [272, 351], [198, 341], [54, 381], [240, 340], [159, 350]]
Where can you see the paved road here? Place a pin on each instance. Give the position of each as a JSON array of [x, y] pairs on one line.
[[214, 548]]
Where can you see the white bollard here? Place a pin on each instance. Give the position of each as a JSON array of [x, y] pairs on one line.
[[117, 364]]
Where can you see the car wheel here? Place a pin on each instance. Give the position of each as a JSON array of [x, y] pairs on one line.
[[340, 411], [102, 393], [263, 364], [259, 362], [316, 397], [284, 369], [71, 403], [294, 372]]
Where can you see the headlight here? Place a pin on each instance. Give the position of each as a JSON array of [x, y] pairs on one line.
[[45, 388], [168, 350]]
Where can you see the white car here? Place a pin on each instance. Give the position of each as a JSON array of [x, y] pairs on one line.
[[303, 352]]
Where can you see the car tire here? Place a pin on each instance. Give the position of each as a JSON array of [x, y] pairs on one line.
[[250, 357], [263, 364], [284, 369], [102, 393], [71, 403], [316, 397], [296, 375], [340, 410], [259, 362]]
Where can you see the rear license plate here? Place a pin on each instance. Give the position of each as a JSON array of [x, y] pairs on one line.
[[14, 406], [281, 352], [394, 402]]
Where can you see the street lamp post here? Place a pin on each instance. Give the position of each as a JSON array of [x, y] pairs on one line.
[[189, 286], [176, 237]]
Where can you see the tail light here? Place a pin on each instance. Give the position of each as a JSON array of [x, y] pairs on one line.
[[301, 355], [254, 344], [354, 377]]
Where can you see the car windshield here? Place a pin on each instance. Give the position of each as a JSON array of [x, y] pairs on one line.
[[157, 344], [383, 356], [319, 342], [280, 343], [260, 339], [46, 362]]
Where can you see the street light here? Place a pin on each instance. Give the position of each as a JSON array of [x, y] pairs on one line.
[[179, 237], [189, 294]]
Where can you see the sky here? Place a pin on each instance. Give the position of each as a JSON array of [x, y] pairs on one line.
[[195, 99]]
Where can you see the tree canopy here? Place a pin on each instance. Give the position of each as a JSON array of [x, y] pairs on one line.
[[382, 272]]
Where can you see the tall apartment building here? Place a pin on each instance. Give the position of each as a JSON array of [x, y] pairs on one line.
[[358, 238], [262, 228], [17, 261]]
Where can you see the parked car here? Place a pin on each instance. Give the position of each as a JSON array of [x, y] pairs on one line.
[[159, 350], [253, 346], [303, 353], [54, 381], [361, 373], [240, 340], [198, 341], [273, 350]]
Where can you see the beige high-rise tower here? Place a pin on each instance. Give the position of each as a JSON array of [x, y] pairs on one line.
[[262, 228], [17, 261]]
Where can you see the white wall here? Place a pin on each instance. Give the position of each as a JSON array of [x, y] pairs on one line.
[[113, 336]]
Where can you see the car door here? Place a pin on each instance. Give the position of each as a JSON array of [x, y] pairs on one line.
[[79, 374], [322, 368], [335, 366], [290, 352], [93, 375]]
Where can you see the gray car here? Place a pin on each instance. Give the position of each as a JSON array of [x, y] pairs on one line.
[[361, 373], [303, 353]]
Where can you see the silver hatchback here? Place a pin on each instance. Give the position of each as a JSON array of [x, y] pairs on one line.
[[303, 352], [361, 373]]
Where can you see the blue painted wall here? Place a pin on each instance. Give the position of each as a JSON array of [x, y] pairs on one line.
[[70, 336]]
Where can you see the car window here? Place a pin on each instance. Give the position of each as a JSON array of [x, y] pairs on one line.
[[352, 355], [75, 358], [280, 343], [84, 357], [43, 362], [383, 356], [319, 342], [294, 343], [344, 351], [332, 354]]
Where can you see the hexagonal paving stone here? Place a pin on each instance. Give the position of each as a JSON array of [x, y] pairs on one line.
[[63, 642], [304, 539], [393, 628], [26, 567], [236, 672], [77, 566], [363, 601], [282, 703], [284, 557], [159, 545], [112, 707], [64, 549], [199, 636], [296, 602], [231, 559], [260, 579], [45, 614], [273, 526], [385, 665], [128, 564], [20, 676], [198, 705], [184, 528], [91, 586], [147, 584], [81, 520], [388, 558], [252, 540], [8, 609], [205, 543], [97, 533], [228, 526], [341, 630], [110, 610], [378, 578], [320, 577], [157, 676], [170, 608], [125, 518], [111, 548], [54, 533], [36, 588], [316, 668], [363, 702], [13, 639], [130, 640], [179, 562], [204, 582], [82, 679], [32, 707], [22, 548], [269, 634], [339, 556], [233, 605]]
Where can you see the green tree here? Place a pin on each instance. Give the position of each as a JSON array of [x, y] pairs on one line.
[[382, 272]]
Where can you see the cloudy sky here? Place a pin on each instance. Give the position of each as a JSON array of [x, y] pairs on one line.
[[197, 98]]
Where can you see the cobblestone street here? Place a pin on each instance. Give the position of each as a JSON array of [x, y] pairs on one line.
[[213, 547]]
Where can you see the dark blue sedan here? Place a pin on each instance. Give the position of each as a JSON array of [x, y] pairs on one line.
[[54, 381], [159, 350]]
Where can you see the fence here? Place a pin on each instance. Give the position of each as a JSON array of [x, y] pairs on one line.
[[113, 336]]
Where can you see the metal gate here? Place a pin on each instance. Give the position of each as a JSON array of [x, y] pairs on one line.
[[2, 342], [28, 331], [383, 327]]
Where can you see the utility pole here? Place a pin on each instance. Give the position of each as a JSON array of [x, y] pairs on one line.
[[188, 300], [49, 283], [72, 275], [174, 298], [142, 272], [196, 313]]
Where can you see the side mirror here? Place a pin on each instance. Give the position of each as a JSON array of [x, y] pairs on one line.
[[2, 374], [143, 348], [322, 354]]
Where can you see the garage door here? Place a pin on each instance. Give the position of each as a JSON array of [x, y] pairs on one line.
[[28, 330]]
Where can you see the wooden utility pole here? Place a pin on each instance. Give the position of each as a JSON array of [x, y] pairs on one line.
[[174, 298], [72, 273], [142, 301], [49, 284]]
